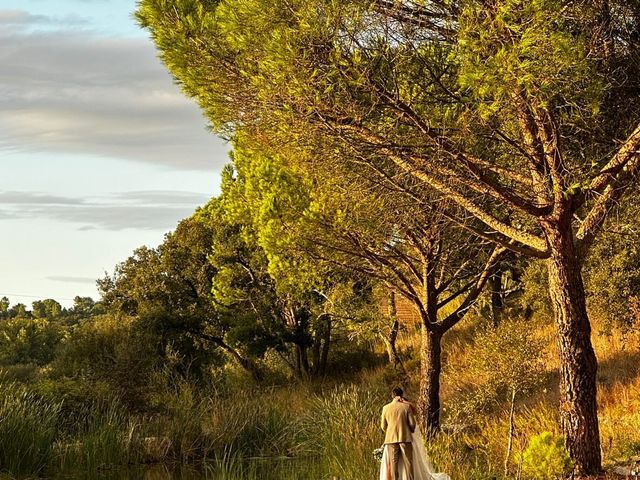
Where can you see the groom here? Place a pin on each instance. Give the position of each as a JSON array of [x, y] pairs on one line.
[[398, 423]]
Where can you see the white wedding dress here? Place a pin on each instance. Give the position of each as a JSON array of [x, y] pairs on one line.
[[422, 468]]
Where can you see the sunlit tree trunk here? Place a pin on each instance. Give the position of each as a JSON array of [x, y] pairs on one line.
[[578, 364], [431, 370]]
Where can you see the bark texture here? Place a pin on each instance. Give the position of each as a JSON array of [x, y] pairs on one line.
[[578, 364], [431, 367]]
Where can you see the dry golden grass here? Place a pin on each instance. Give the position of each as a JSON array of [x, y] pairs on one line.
[[483, 438]]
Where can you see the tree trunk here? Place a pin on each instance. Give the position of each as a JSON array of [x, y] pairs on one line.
[[390, 341], [495, 284], [578, 364], [324, 354], [512, 429], [303, 370], [431, 368], [315, 349], [321, 345]]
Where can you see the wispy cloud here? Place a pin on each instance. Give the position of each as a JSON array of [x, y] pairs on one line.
[[36, 198], [24, 19], [141, 210], [62, 278], [67, 90]]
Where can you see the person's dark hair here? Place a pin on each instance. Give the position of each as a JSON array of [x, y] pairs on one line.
[[397, 392]]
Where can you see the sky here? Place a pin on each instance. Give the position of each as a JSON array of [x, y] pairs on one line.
[[100, 152]]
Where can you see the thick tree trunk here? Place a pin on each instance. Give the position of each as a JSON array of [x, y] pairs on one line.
[[321, 345], [578, 364], [431, 368], [302, 370]]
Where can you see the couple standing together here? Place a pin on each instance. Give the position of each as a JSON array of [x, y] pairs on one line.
[[404, 456]]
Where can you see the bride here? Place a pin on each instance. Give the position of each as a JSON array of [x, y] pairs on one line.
[[422, 468]]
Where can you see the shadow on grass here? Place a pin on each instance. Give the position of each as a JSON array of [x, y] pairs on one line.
[[621, 368]]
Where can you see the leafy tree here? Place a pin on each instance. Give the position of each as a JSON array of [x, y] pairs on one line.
[[85, 307], [27, 340], [523, 114], [19, 310], [511, 357], [47, 308], [112, 355], [4, 307], [168, 290], [268, 311], [613, 271], [312, 229]]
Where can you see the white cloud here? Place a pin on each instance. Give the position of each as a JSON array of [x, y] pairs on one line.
[[139, 210], [67, 279], [71, 91]]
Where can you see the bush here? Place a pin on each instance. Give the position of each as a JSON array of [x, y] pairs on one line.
[[535, 298], [28, 340], [546, 458], [110, 351]]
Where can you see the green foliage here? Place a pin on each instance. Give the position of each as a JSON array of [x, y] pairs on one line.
[[103, 436], [112, 351], [28, 428], [535, 299], [26, 340], [546, 458], [4, 307], [613, 272], [517, 49], [345, 425], [274, 198], [48, 308], [167, 291], [508, 360], [19, 310]]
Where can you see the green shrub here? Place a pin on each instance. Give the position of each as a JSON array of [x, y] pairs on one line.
[[546, 458], [535, 298]]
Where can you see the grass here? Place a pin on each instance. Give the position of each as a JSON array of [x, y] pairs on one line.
[[105, 438], [28, 428], [311, 431]]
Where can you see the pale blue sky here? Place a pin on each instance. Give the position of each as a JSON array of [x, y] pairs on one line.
[[99, 150]]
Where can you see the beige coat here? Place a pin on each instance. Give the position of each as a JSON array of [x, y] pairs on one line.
[[398, 422]]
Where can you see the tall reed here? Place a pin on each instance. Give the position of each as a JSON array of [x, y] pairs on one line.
[[345, 426], [28, 427], [105, 437]]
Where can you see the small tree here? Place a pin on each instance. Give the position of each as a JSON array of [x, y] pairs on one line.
[[546, 458], [4, 307], [612, 272], [510, 356]]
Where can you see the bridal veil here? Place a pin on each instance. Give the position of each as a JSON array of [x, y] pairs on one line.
[[422, 468]]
